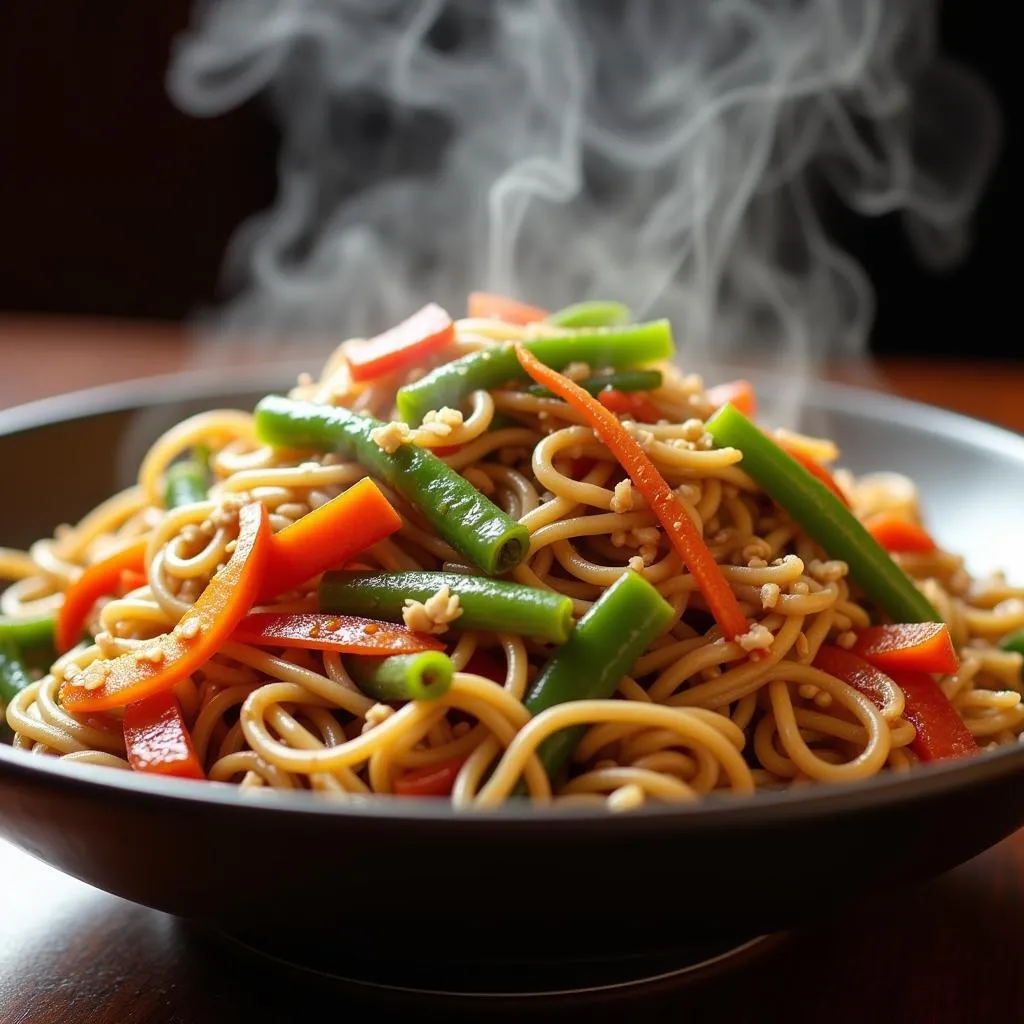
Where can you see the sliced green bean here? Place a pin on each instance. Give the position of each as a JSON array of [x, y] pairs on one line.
[[613, 347], [423, 676], [14, 677], [598, 313], [602, 649], [473, 525], [627, 380], [1015, 643], [825, 518], [486, 604]]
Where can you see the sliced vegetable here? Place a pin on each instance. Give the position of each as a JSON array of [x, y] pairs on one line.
[[678, 526], [423, 676], [815, 468], [99, 580], [429, 780], [402, 347], [318, 631], [169, 658], [29, 633], [920, 646], [631, 403], [473, 525], [899, 535], [625, 380], [941, 732], [490, 306], [130, 580], [326, 537], [823, 516], [738, 393], [605, 347], [482, 664], [185, 482], [1014, 642], [601, 649], [598, 313], [157, 740], [14, 677], [486, 604]]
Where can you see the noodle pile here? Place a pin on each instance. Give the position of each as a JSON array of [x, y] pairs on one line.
[[696, 716]]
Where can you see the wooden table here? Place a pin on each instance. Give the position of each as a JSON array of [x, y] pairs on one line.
[[947, 952]]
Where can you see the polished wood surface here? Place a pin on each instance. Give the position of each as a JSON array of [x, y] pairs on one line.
[[946, 952]]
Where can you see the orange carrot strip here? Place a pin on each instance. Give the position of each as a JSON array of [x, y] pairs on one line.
[[488, 305], [169, 658], [739, 392], [98, 580], [632, 403], [815, 468], [157, 740], [319, 631], [898, 535], [131, 580], [430, 780], [660, 499], [327, 538], [919, 646], [402, 347]]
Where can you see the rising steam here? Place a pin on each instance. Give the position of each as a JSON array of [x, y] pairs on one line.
[[674, 154]]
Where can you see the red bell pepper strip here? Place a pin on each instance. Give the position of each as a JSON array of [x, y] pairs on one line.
[[941, 732], [487, 305], [919, 646], [651, 484], [320, 631], [898, 535], [327, 537], [99, 580], [157, 740], [430, 780], [169, 658], [632, 403], [403, 346], [739, 392], [815, 468], [132, 580]]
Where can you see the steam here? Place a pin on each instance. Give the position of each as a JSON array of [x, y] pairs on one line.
[[679, 155]]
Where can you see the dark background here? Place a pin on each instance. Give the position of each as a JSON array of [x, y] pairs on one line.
[[113, 203]]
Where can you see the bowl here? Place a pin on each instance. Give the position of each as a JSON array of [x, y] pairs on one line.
[[415, 883]]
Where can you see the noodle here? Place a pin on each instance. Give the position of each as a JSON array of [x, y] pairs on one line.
[[694, 719]]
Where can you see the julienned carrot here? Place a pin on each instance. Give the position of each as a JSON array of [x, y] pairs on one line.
[[157, 740], [320, 631], [327, 538], [898, 535], [631, 403], [430, 780], [660, 499], [403, 346], [739, 392], [99, 580], [919, 646], [815, 468], [167, 659], [488, 305]]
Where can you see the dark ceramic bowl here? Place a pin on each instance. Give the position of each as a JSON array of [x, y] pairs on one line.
[[420, 881]]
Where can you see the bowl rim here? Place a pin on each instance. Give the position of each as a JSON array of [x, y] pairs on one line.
[[890, 791]]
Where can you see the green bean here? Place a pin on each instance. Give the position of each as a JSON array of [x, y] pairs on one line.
[[627, 380], [185, 483], [28, 634], [615, 347], [14, 678], [486, 604], [473, 525], [825, 518], [1015, 643], [599, 313], [602, 648], [423, 676]]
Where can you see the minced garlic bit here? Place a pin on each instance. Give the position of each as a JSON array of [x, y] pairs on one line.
[[690, 493], [188, 630], [757, 638], [800, 587], [94, 676], [377, 714], [626, 798], [390, 436], [644, 438], [770, 594], [434, 614], [622, 498], [827, 572], [577, 371], [438, 423], [637, 563], [846, 639]]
